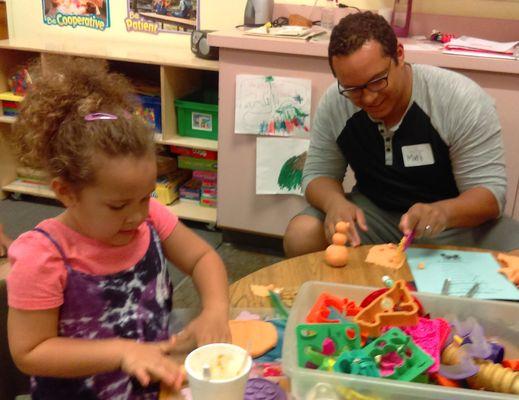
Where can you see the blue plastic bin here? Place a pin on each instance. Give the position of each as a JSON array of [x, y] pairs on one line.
[[151, 111]]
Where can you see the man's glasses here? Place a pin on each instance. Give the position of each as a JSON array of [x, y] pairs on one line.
[[376, 85]]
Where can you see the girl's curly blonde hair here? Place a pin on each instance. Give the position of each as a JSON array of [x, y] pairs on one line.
[[51, 131]]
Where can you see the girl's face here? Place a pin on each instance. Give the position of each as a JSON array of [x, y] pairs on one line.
[[111, 209]]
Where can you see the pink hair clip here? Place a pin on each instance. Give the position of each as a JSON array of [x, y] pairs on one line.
[[98, 116]]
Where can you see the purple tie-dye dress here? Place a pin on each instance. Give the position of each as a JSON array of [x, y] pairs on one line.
[[133, 304]]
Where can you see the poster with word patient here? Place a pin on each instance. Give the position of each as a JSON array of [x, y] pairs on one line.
[[279, 165], [162, 16], [272, 105]]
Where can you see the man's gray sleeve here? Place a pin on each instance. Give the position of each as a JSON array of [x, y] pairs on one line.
[[324, 157], [471, 129]]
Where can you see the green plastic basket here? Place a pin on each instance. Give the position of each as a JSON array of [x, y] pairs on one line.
[[197, 115]]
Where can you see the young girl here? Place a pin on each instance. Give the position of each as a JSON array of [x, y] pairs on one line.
[[89, 293]]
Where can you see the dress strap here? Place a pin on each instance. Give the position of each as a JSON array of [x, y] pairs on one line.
[[54, 242]]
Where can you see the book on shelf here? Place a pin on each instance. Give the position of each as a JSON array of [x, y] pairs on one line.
[[470, 46]]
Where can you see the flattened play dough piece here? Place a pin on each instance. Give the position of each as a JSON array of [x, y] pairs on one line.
[[257, 337], [386, 255], [510, 267], [263, 290]]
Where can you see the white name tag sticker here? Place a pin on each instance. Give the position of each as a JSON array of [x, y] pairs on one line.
[[417, 155]]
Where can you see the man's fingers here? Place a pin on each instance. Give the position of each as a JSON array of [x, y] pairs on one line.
[[361, 220], [353, 235], [410, 222]]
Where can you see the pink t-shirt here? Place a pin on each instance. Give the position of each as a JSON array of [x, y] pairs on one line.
[[38, 275]]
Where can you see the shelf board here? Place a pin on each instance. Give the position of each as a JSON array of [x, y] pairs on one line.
[[193, 212], [186, 141], [29, 188], [7, 119], [176, 54]]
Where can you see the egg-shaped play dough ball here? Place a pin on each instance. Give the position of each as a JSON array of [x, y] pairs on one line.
[[336, 256], [342, 227], [339, 239]]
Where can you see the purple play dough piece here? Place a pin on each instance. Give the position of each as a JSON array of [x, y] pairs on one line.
[[263, 389]]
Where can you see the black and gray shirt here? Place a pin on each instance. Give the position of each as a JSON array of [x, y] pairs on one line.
[[448, 141]]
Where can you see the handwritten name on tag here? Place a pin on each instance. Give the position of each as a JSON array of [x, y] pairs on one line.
[[417, 155]]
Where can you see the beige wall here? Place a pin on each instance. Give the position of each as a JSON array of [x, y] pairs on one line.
[[25, 16], [218, 14]]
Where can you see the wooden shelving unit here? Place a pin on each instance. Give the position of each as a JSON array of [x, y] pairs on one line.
[[7, 119], [181, 73], [194, 212], [184, 141], [18, 186]]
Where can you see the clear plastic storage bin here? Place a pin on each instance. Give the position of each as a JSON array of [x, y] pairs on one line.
[[499, 319]]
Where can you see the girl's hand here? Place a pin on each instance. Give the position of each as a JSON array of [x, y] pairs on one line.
[[150, 362], [211, 326]]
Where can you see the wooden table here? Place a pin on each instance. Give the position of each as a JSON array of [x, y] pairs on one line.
[[292, 273]]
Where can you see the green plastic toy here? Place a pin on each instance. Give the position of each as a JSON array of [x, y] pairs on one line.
[[414, 360], [317, 343], [357, 362]]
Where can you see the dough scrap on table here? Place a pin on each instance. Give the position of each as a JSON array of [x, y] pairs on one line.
[[510, 267], [263, 290], [386, 255]]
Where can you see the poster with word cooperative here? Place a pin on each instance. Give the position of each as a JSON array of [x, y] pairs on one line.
[[279, 165], [162, 16], [272, 105], [93, 14]]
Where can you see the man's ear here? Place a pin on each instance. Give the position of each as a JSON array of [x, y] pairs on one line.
[[64, 192], [400, 53]]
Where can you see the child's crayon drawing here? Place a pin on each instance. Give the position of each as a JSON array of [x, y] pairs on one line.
[[279, 165], [272, 105]]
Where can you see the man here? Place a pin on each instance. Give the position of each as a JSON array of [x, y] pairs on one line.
[[425, 145]]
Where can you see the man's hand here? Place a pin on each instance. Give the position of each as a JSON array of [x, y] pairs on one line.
[[343, 210], [427, 220]]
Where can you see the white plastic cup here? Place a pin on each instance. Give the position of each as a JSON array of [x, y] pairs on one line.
[[229, 365]]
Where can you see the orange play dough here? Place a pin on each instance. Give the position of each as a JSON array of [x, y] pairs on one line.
[[386, 255], [342, 227], [336, 256], [510, 267], [257, 337], [339, 239]]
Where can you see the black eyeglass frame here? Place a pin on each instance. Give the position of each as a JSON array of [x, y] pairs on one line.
[[355, 90]]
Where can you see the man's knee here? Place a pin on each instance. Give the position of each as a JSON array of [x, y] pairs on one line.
[[304, 234]]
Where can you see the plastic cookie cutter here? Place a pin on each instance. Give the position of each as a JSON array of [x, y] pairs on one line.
[[321, 311], [430, 335], [318, 345], [396, 307], [412, 361], [356, 362]]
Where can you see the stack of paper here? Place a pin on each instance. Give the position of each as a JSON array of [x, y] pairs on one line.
[[470, 46], [287, 31]]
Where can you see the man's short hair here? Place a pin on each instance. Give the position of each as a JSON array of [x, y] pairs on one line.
[[354, 30]]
